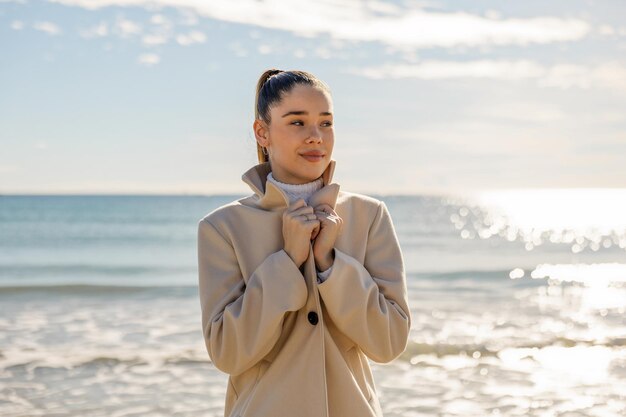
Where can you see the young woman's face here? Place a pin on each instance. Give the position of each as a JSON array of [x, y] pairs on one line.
[[301, 135]]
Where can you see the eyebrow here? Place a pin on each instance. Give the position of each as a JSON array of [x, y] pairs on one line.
[[299, 112]]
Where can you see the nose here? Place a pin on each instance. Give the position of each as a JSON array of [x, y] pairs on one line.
[[315, 135]]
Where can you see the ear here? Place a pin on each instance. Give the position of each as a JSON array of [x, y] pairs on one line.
[[260, 132]]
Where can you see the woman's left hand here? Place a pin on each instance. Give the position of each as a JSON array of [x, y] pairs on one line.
[[330, 227]]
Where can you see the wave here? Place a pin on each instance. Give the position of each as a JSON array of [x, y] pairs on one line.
[[107, 360], [414, 354], [171, 360], [439, 349], [94, 289], [167, 280], [484, 274], [82, 269]]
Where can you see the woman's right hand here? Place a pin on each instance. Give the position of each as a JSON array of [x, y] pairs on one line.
[[300, 226]]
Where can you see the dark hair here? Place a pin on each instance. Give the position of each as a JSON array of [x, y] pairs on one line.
[[270, 88]]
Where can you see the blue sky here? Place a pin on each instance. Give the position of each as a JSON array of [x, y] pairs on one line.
[[132, 96]]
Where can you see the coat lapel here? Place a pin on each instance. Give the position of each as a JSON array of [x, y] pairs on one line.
[[271, 197]]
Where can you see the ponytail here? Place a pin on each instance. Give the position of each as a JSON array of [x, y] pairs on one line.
[[258, 114]]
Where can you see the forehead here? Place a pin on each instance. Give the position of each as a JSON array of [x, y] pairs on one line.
[[305, 96]]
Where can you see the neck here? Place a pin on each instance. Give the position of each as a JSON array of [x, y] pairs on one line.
[[271, 177], [279, 178]]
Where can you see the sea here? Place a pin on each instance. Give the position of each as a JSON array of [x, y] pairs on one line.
[[518, 300]]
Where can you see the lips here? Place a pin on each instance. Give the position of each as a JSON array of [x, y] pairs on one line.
[[313, 153], [313, 156]]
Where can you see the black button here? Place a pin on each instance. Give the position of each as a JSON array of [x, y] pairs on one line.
[[312, 317]]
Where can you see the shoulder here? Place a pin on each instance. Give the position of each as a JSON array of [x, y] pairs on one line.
[[223, 213], [361, 204], [361, 200]]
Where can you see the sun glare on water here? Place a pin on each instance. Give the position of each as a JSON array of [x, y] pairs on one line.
[[581, 210], [582, 218], [585, 220]]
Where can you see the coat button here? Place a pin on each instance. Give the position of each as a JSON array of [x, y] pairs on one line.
[[312, 317]]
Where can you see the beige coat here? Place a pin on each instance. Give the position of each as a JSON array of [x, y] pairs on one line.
[[294, 347]]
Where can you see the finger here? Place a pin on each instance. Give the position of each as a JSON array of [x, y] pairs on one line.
[[321, 216], [302, 210], [323, 206], [307, 216], [325, 217], [321, 210], [294, 206], [314, 228], [297, 204], [325, 213], [316, 232], [326, 209]]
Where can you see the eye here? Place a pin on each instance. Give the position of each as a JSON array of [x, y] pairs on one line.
[[328, 123], [296, 121]]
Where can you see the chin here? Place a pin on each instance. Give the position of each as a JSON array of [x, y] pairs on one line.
[[311, 175]]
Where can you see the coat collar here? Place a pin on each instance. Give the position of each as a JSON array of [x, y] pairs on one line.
[[272, 197]]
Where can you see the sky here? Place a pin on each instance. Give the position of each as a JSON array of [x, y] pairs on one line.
[[429, 97]]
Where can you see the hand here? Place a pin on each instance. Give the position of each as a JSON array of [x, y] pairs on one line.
[[300, 226], [330, 227]]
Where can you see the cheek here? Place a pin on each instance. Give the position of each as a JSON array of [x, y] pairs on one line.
[[330, 139], [287, 136], [286, 145]]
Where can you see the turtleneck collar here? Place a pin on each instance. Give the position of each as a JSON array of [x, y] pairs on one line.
[[270, 196], [297, 191]]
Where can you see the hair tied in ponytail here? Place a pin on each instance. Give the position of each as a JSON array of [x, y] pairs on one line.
[[272, 74]]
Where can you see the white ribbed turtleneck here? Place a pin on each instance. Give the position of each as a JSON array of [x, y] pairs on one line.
[[305, 191], [296, 191]]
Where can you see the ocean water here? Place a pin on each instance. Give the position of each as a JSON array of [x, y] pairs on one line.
[[517, 298]]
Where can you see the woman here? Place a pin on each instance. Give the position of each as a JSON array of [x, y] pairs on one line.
[[300, 282]]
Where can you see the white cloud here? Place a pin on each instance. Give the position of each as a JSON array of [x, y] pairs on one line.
[[608, 75], [126, 28], [98, 31], [518, 111], [48, 27], [410, 27], [17, 25], [188, 17], [191, 38], [492, 14], [606, 30], [161, 31], [154, 39], [481, 136], [9, 168], [432, 70], [323, 52], [158, 19], [148, 59], [162, 23], [237, 48], [265, 49]]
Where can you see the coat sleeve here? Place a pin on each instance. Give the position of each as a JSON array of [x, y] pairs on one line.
[[241, 323], [368, 302]]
